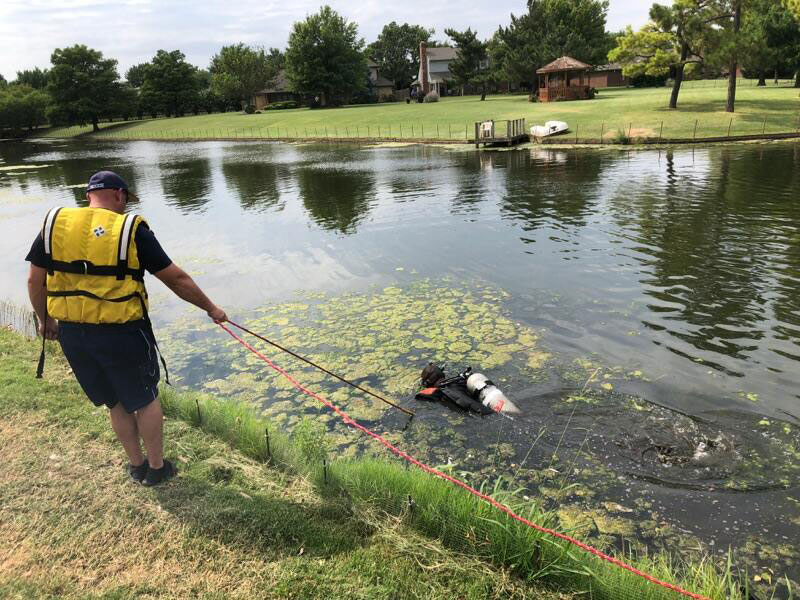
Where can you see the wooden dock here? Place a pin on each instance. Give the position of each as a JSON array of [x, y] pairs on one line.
[[506, 132]]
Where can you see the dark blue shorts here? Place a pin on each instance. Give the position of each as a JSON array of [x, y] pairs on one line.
[[113, 363]]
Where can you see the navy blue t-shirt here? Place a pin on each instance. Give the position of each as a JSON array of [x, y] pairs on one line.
[[151, 255]]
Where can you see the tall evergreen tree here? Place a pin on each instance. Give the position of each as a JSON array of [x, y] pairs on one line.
[[470, 59]]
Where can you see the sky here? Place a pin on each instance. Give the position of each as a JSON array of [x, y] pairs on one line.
[[132, 30]]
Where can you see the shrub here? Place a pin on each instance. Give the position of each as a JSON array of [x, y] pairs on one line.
[[431, 97], [250, 109], [622, 138], [281, 105]]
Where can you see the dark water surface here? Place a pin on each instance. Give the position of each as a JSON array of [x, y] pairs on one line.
[[673, 277]]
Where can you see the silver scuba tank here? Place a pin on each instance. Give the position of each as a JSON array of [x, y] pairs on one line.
[[489, 394]]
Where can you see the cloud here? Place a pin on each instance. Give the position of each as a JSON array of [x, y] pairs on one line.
[[132, 30]]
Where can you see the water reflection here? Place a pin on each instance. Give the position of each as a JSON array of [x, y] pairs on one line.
[[186, 184], [336, 199], [253, 178]]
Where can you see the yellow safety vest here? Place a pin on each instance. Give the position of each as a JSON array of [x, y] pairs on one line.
[[93, 270]]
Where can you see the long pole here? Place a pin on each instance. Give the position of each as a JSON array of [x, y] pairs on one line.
[[323, 369]]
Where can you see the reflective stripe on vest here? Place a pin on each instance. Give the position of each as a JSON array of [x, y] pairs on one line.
[[94, 275]]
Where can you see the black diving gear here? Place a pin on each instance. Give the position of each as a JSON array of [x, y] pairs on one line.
[[441, 389]]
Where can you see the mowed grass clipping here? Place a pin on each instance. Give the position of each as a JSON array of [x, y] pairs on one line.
[[71, 524], [638, 113]]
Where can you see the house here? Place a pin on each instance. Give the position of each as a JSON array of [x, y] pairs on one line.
[[609, 75], [382, 86], [565, 78], [277, 91], [434, 69]]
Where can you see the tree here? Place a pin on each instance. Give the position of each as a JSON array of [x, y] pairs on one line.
[[276, 60], [170, 84], [550, 29], [239, 71], [36, 78], [471, 57], [396, 51], [135, 75], [124, 103], [22, 107], [3, 82], [82, 83], [794, 6], [678, 35], [325, 57]]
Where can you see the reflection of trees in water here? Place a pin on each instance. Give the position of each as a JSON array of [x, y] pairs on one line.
[[713, 246], [336, 199], [550, 187], [186, 184], [255, 182]]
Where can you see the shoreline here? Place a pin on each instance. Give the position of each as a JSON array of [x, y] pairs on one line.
[[560, 142], [435, 510]]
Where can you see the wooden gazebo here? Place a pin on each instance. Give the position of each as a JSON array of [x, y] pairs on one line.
[[564, 79]]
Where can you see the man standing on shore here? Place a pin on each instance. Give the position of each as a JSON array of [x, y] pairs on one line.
[[86, 284]]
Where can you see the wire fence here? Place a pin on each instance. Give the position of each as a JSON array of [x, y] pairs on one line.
[[739, 126]]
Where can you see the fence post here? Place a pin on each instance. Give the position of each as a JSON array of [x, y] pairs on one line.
[[449, 131], [266, 439], [401, 130], [730, 124], [437, 131], [630, 128], [412, 129], [199, 416], [695, 129], [602, 131], [422, 129], [661, 132], [764, 127], [325, 469]]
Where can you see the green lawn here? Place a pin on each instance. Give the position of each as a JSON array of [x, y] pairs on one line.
[[773, 109]]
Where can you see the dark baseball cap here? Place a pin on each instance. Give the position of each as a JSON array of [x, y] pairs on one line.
[[108, 180]]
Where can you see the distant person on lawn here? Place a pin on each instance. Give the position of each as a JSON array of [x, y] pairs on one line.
[[86, 284]]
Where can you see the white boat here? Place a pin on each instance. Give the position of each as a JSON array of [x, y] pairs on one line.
[[549, 128]]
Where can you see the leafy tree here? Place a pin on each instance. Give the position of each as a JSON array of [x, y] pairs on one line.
[[81, 83], [22, 107], [770, 39], [678, 35], [276, 60], [135, 75], [239, 71], [548, 30], [36, 78], [3, 82], [396, 51], [793, 5], [471, 57], [325, 56], [170, 84], [124, 103]]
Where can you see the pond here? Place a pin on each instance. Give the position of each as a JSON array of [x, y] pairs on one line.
[[642, 308]]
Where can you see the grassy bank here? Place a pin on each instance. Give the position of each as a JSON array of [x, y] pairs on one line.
[[637, 113], [71, 525]]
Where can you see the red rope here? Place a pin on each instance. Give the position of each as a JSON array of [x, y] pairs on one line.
[[502, 507]]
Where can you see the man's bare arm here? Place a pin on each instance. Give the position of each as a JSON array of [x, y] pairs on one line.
[[185, 288], [37, 292]]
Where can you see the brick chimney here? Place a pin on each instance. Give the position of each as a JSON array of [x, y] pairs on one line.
[[423, 68]]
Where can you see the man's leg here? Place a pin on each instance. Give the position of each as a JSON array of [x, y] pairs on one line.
[[127, 431], [150, 420]]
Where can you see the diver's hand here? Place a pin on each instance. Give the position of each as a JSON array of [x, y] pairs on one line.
[[217, 315], [49, 329]]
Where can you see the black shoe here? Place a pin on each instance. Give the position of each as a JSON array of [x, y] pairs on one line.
[[156, 476], [138, 473]]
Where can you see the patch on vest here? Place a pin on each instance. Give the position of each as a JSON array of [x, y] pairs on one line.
[[98, 231]]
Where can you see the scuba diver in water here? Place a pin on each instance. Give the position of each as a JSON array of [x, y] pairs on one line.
[[470, 391]]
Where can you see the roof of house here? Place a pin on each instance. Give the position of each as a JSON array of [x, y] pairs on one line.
[[371, 63], [279, 84], [442, 53], [565, 63]]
